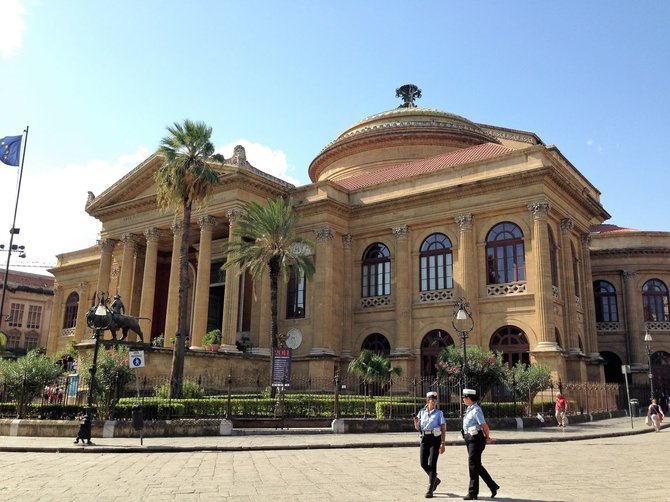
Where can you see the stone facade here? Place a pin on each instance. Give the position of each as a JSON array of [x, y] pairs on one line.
[[408, 210]]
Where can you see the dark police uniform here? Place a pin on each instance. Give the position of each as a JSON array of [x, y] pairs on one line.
[[475, 441]]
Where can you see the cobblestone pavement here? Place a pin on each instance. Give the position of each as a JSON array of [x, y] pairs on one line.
[[616, 468]]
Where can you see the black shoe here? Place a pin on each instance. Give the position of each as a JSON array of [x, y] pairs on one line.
[[429, 494], [494, 491], [470, 497], [437, 482]]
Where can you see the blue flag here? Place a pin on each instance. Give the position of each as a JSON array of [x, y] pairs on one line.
[[10, 150]]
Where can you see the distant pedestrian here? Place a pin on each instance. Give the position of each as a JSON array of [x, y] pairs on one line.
[[655, 413], [432, 426], [561, 410], [477, 434]]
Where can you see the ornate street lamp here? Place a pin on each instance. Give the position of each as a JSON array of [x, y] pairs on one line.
[[463, 323], [99, 322], [647, 341]]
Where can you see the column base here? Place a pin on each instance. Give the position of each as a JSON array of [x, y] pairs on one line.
[[196, 348], [260, 351], [229, 349], [401, 352], [321, 351], [547, 347]]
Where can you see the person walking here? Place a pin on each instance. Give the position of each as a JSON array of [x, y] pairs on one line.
[[561, 409], [655, 414], [477, 434], [432, 427]]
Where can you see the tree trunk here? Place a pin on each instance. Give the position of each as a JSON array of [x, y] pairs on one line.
[[177, 373], [274, 286]]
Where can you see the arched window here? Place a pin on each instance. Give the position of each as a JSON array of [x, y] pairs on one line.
[[505, 260], [432, 345], [376, 271], [436, 263], [377, 343], [71, 308], [553, 257], [295, 295], [655, 301], [604, 294], [512, 343]]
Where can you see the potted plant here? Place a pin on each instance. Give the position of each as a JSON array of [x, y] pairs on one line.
[[212, 340]]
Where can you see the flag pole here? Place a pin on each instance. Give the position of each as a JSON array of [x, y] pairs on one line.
[[13, 230]]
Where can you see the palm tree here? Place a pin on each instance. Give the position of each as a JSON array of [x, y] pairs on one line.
[[184, 179], [268, 243], [371, 368]]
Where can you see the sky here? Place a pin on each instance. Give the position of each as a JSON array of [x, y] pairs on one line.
[[98, 83]]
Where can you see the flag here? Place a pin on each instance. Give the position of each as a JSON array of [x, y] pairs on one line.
[[10, 150]]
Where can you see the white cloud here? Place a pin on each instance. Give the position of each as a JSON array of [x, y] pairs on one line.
[[262, 157], [590, 142], [51, 212], [12, 27]]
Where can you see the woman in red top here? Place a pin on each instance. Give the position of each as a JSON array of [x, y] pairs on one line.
[[561, 410]]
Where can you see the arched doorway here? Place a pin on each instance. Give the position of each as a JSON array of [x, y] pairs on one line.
[[612, 368], [512, 343], [660, 368], [432, 345]]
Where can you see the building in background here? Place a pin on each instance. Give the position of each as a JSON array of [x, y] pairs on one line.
[[27, 310], [408, 209]]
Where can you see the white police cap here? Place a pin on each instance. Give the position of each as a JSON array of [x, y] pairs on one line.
[[431, 395]]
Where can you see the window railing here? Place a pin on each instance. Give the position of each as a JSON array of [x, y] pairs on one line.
[[608, 326], [376, 301], [657, 326], [509, 288], [67, 332], [437, 295]]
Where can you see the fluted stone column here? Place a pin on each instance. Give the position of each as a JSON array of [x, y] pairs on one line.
[[56, 320], [348, 280], [104, 271], [323, 293], [543, 296], [633, 304], [231, 294], [81, 328], [127, 264], [403, 297], [149, 281], [172, 313], [202, 282], [590, 333], [570, 337], [467, 267]]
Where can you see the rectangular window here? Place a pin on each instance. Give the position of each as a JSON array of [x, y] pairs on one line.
[[16, 315], [30, 342], [295, 296], [13, 340], [34, 316]]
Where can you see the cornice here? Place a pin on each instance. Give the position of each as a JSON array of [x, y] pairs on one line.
[[631, 251]]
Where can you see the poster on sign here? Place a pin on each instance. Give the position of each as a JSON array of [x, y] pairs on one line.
[[281, 367]]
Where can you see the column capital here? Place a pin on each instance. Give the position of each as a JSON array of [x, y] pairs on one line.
[[539, 209], [129, 240], [347, 241], [586, 240], [567, 225], [628, 275], [106, 245], [464, 221], [83, 288], [206, 222], [234, 215], [177, 227], [152, 234], [401, 232], [323, 234]]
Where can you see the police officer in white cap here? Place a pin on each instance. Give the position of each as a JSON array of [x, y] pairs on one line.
[[432, 427], [477, 434]]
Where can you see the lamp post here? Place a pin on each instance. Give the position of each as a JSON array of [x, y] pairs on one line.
[[463, 323], [99, 321], [647, 341]]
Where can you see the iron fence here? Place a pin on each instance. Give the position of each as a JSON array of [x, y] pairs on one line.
[[345, 395]]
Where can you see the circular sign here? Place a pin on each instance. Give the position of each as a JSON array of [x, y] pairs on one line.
[[293, 338]]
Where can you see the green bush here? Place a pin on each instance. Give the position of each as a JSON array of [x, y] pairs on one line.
[[190, 390]]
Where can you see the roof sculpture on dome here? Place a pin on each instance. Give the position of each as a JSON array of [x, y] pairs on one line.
[[408, 93]]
